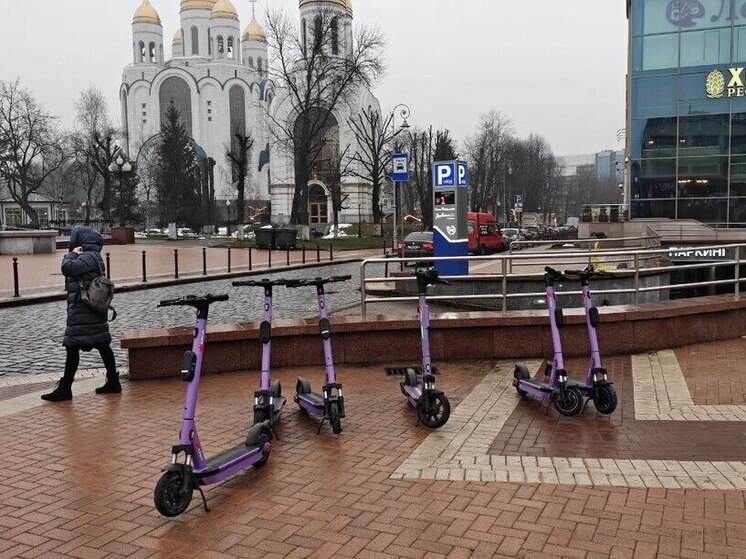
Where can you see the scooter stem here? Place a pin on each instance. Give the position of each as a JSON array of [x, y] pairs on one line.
[[559, 362], [266, 347], [424, 309], [324, 317], [592, 335]]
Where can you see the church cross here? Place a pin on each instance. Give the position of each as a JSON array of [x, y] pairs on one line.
[[253, 6]]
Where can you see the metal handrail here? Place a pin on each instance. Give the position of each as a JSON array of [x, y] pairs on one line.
[[640, 258]]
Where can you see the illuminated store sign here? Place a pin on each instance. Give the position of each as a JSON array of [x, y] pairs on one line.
[[716, 87]]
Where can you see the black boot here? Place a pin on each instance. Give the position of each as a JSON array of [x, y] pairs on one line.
[[62, 393], [112, 386]]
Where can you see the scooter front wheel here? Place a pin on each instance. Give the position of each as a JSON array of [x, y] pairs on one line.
[[259, 435], [606, 399], [433, 409], [334, 418], [173, 493], [571, 404]]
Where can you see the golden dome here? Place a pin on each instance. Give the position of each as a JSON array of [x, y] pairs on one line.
[[197, 5], [224, 9], [254, 32], [349, 7], [178, 38], [146, 14], [343, 3]]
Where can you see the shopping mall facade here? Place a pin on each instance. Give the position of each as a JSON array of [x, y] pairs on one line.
[[686, 113]]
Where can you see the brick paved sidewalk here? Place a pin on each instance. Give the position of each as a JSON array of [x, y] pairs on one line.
[[77, 478]]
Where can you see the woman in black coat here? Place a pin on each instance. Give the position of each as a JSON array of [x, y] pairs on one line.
[[86, 328]]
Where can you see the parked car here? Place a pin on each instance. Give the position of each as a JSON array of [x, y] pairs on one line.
[[417, 245], [511, 234]]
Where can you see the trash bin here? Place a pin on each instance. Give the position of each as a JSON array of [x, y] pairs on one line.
[[285, 238], [265, 238]]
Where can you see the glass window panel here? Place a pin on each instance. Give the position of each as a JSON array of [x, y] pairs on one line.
[[660, 51], [657, 208], [703, 135], [655, 96], [659, 137], [737, 210], [738, 176], [709, 210], [703, 176], [699, 48], [738, 134], [654, 178], [659, 16]]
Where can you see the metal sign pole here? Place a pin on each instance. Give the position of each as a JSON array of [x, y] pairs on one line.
[[396, 219]]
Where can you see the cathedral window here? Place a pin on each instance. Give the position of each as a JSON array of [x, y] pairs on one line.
[[335, 36], [259, 65], [141, 52], [230, 47], [221, 47], [303, 35], [151, 53], [251, 61], [209, 42], [317, 32], [195, 40]]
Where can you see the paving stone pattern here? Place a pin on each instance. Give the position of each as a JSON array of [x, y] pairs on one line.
[[77, 481], [31, 340]]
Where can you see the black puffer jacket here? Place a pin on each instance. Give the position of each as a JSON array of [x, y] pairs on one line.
[[86, 328]]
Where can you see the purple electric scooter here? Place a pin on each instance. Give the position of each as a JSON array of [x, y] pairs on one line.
[[268, 400], [173, 493], [596, 386], [329, 405], [565, 395], [432, 405]]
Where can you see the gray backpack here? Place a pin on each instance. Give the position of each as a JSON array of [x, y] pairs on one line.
[[100, 293]]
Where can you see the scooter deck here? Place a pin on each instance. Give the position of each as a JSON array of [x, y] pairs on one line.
[[538, 385], [226, 457], [278, 403], [316, 400]]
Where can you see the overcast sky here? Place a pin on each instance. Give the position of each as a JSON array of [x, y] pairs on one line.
[[554, 67]]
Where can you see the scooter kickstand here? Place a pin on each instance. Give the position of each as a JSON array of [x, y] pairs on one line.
[[318, 431], [585, 406], [204, 499]]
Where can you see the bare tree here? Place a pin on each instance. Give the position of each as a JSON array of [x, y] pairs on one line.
[[30, 147], [238, 155], [320, 76], [97, 140], [374, 135], [339, 167], [487, 152]]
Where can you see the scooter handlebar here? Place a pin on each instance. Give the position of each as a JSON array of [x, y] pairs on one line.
[[260, 283], [193, 300], [555, 273], [316, 281]]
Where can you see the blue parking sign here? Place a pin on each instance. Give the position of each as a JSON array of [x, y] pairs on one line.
[[400, 167], [444, 174]]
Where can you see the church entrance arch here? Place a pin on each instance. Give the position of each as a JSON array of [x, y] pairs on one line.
[[318, 203], [176, 90]]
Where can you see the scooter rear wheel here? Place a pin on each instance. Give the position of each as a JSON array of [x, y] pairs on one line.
[[276, 389], [571, 404], [433, 410], [606, 399], [334, 418], [259, 435], [169, 496]]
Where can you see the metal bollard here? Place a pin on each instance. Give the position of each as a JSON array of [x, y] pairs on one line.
[[204, 261], [318, 253], [144, 269], [331, 253], [287, 258], [270, 257], [108, 266], [384, 247], [251, 264], [15, 278], [304, 253], [229, 260], [176, 263]]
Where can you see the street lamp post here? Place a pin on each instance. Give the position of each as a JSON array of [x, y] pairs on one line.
[[228, 227], [120, 165], [404, 113]]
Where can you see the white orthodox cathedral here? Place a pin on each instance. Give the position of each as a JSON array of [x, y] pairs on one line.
[[218, 80]]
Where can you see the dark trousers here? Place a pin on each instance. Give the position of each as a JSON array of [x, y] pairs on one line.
[[73, 360]]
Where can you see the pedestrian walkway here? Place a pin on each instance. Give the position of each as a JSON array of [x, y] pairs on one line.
[[664, 476], [39, 274]]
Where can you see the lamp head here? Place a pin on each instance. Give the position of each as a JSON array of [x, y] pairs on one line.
[[405, 125]]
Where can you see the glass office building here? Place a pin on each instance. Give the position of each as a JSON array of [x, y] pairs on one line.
[[686, 139]]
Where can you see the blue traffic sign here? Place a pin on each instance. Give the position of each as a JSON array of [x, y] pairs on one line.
[[400, 166], [519, 199], [444, 174], [463, 173]]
